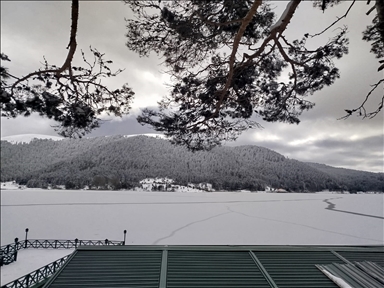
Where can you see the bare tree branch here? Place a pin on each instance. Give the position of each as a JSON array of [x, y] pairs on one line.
[[370, 10], [338, 19], [361, 109], [72, 40]]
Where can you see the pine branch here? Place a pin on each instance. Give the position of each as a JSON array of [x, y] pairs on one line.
[[279, 27], [247, 19]]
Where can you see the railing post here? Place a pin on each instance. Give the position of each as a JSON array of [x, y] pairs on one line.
[[8, 249], [1, 258], [125, 233], [15, 253], [16, 243], [55, 244], [76, 240], [26, 238]]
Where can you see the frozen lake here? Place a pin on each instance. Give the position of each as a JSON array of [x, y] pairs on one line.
[[222, 218]]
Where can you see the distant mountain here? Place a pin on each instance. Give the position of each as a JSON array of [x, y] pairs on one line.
[[121, 162], [359, 180], [160, 136], [26, 138]]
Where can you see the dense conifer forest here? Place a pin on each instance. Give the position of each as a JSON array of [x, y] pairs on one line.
[[118, 162]]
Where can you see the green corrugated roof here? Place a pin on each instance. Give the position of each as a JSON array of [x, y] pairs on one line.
[[351, 274], [112, 268], [204, 266], [213, 269], [294, 269], [358, 256]]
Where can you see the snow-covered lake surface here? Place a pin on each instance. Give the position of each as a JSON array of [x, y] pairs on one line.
[[221, 218], [193, 218]]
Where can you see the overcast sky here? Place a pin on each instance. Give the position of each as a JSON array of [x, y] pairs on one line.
[[31, 30]]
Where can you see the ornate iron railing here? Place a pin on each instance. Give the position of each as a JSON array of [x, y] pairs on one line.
[[37, 276], [67, 244], [8, 253]]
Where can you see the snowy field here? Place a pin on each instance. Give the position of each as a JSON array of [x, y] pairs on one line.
[[159, 218]]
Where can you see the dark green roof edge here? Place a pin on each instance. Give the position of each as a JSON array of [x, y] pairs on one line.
[[54, 276], [373, 248]]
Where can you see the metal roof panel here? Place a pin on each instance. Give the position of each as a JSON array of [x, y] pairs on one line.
[[119, 268], [297, 268], [207, 266], [198, 269]]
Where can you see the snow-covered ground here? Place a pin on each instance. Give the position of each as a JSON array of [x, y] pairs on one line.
[[11, 185], [30, 260], [216, 218]]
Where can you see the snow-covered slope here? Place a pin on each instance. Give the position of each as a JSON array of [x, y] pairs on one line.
[[26, 138], [154, 135], [147, 134]]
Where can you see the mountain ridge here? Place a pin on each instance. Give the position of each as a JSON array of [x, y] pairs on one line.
[[121, 161], [27, 138]]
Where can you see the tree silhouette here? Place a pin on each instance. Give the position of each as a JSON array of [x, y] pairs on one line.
[[229, 60], [375, 35], [73, 96]]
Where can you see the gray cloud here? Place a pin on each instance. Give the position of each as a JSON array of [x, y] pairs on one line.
[[32, 29], [128, 125], [352, 143], [34, 124], [370, 143]]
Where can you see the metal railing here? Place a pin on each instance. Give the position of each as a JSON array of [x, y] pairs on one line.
[[38, 275], [8, 253]]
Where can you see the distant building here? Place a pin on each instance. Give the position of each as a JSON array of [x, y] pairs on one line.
[[156, 184], [202, 186]]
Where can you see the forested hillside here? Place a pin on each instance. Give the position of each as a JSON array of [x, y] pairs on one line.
[[121, 162], [359, 180]]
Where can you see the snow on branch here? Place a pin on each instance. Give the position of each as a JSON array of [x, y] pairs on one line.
[[286, 17]]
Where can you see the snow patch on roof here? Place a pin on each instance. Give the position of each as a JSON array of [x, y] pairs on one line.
[[338, 281]]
